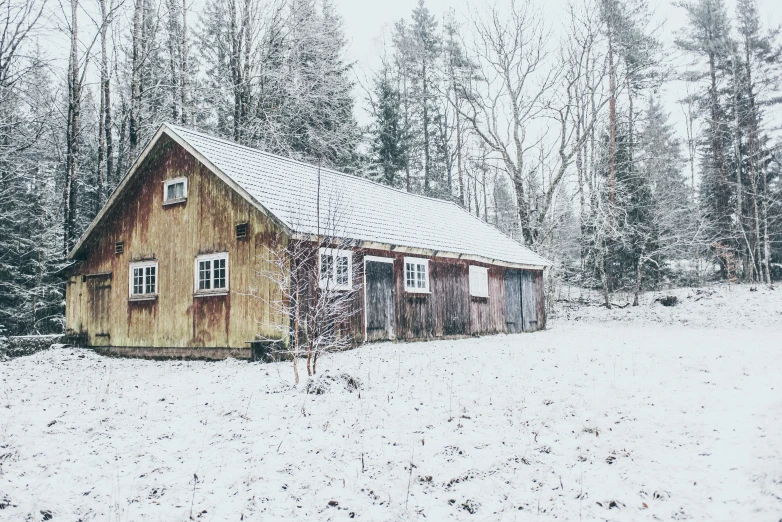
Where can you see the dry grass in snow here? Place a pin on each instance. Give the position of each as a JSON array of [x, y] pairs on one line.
[[596, 418]]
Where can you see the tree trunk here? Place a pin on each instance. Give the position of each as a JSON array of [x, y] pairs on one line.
[[764, 270], [173, 60], [611, 122], [739, 180], [639, 272], [405, 105], [134, 131], [485, 198], [766, 236], [459, 153], [425, 101], [102, 168], [718, 156], [185, 84], [72, 134]]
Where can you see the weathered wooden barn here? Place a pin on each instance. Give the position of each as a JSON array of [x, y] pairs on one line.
[[168, 266]]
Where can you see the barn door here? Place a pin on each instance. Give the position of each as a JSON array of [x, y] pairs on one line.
[[513, 314], [98, 308], [529, 301], [379, 288]]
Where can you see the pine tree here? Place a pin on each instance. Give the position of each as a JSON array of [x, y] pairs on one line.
[[707, 36], [761, 71], [388, 140], [425, 48], [319, 104]]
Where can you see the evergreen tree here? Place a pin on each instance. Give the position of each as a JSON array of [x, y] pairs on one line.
[[319, 104], [707, 36], [388, 140]]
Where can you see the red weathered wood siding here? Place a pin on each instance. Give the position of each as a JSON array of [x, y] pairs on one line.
[[173, 235], [97, 304], [448, 310]]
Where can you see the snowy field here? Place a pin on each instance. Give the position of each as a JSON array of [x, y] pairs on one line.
[[647, 413]]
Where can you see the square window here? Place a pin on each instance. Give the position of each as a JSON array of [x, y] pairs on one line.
[[211, 273], [335, 269], [416, 275], [143, 279], [241, 231], [175, 190]]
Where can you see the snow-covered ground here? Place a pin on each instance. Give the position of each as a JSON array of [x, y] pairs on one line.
[[647, 413]]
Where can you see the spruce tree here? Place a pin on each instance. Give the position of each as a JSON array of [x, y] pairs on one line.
[[388, 140]]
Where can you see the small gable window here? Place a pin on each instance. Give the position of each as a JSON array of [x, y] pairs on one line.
[[143, 279], [174, 191], [211, 274], [335, 269], [479, 281], [416, 275]]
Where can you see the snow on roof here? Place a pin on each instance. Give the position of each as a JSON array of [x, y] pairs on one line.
[[359, 209]]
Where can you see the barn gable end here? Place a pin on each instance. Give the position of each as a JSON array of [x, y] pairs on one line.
[[97, 295]]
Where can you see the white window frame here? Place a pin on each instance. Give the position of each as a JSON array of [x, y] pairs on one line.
[[167, 183], [329, 282], [143, 265], [481, 289], [416, 289], [211, 290]]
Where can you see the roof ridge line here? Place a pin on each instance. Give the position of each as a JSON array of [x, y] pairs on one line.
[[498, 230], [291, 160]]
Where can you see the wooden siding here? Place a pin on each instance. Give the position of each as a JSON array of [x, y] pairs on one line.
[[98, 308], [175, 235], [448, 310]]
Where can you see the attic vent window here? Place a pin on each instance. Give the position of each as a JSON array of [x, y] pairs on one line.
[[174, 191], [119, 247], [241, 231]]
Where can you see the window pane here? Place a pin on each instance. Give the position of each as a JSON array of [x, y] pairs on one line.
[[150, 282], [342, 271], [204, 275], [326, 266], [409, 275], [421, 276], [138, 281], [175, 190], [219, 273]]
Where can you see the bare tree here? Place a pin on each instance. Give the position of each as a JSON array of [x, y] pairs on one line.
[[315, 291], [515, 81]]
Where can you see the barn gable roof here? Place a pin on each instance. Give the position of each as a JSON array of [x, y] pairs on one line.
[[374, 215]]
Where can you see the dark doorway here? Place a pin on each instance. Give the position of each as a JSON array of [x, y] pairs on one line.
[[513, 317], [521, 301], [379, 288], [529, 301], [99, 303]]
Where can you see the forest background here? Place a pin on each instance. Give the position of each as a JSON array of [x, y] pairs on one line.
[[635, 144]]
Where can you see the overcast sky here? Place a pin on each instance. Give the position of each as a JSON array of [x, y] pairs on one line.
[[366, 21]]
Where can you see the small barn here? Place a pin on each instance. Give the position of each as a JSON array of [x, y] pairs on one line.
[[168, 267]]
